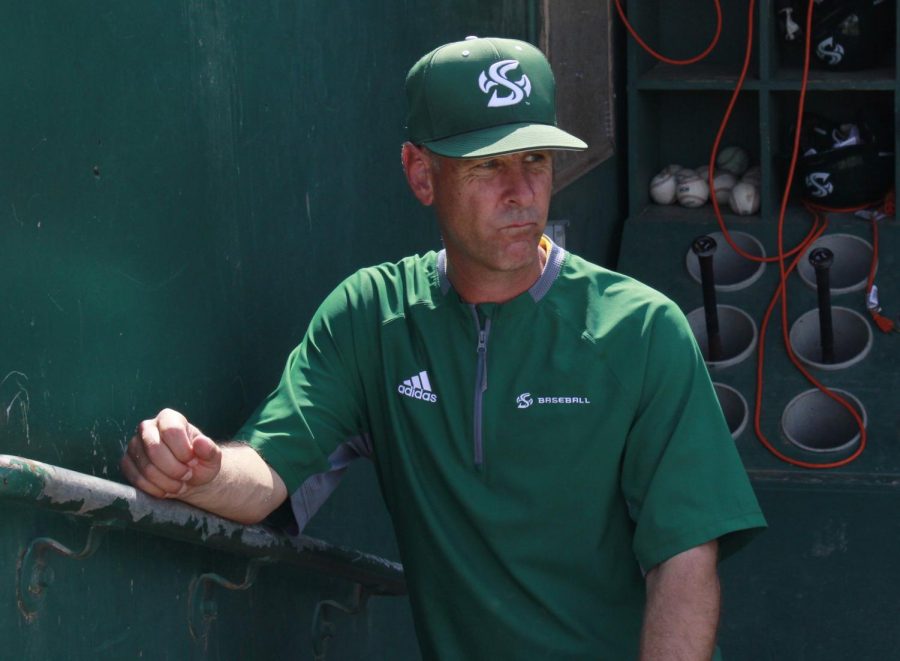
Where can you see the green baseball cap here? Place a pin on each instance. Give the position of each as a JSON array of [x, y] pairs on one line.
[[483, 97]]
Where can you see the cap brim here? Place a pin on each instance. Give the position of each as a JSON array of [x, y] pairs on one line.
[[505, 139]]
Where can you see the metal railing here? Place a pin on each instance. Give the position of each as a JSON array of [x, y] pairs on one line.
[[111, 504]]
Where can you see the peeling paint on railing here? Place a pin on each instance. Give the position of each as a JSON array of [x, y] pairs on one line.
[[74, 493]]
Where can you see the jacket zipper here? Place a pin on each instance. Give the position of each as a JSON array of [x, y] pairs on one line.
[[481, 382]]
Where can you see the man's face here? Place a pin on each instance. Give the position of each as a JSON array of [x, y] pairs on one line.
[[492, 211]]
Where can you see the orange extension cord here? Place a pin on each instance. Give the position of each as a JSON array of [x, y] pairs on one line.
[[663, 58], [820, 223]]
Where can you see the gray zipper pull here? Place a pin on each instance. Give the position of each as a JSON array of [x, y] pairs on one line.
[[482, 349]]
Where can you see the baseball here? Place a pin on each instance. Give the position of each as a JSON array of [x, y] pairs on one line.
[[722, 184], [692, 191], [703, 172], [753, 176], [734, 159], [662, 188], [744, 199], [685, 174], [674, 168]]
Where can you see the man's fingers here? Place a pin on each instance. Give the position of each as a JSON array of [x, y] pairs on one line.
[[133, 475], [207, 460], [143, 463], [168, 455], [154, 448], [205, 449], [175, 432], [169, 485]]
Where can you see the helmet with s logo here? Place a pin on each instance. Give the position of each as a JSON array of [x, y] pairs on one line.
[[843, 164], [846, 34]]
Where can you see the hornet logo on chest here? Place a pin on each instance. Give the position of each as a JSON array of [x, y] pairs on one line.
[[496, 79], [526, 400]]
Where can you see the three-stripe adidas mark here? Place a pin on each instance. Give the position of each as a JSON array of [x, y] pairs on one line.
[[418, 387]]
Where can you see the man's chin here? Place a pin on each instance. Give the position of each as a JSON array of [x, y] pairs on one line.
[[522, 254]]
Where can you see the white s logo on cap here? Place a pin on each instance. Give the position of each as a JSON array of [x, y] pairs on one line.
[[496, 75]]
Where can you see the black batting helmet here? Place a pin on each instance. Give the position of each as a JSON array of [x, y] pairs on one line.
[[846, 34], [843, 164]]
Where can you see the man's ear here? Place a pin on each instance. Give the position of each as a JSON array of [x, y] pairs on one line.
[[417, 166]]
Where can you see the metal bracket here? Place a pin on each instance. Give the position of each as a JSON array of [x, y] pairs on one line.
[[202, 606], [33, 576], [323, 628]]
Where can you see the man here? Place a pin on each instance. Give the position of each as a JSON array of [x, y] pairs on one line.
[[544, 431]]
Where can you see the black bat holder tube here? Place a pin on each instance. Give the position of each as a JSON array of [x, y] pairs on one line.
[[726, 335], [827, 338]]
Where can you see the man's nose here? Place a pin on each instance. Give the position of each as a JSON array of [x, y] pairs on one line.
[[519, 186]]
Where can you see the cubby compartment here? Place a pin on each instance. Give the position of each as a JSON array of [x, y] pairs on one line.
[[852, 60], [679, 32], [679, 127], [674, 111], [834, 177]]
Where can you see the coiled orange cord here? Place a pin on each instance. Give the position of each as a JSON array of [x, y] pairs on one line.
[[663, 58]]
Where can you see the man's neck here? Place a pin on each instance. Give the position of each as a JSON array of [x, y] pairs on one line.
[[482, 286]]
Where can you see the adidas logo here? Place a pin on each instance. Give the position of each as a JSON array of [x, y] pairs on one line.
[[418, 387]]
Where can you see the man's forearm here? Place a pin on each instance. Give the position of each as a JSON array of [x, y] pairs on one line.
[[246, 488], [682, 612]]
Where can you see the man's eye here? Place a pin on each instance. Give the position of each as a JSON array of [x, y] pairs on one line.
[[535, 158], [487, 165]]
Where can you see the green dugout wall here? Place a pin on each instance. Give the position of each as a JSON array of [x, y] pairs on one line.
[[182, 182]]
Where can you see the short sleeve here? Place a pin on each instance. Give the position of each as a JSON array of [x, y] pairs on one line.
[[682, 477], [316, 405]]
